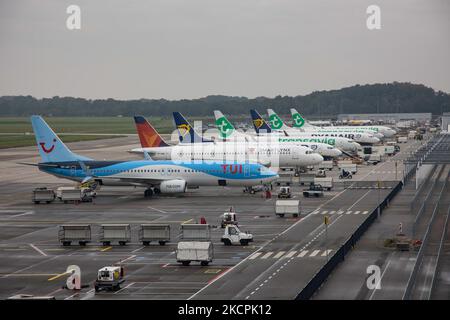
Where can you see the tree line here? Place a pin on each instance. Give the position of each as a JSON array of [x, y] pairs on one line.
[[375, 98]]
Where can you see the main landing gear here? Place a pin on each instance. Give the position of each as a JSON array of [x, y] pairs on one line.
[[148, 193]]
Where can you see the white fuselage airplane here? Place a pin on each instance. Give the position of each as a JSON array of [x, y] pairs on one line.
[[277, 124]]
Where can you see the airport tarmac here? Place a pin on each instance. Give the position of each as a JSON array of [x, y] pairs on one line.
[[34, 261]]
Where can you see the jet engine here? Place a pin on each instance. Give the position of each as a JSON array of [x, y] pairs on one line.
[[173, 186]]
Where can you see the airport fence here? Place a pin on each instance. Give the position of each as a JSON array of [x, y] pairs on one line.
[[426, 237], [319, 278], [424, 203]]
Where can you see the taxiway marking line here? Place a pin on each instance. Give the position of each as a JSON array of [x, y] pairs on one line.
[[314, 253], [290, 254], [302, 254], [159, 210], [106, 249], [255, 255], [57, 276], [279, 254], [22, 214], [326, 252], [379, 281], [38, 250], [268, 254]]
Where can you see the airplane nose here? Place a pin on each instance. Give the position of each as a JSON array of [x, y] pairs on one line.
[[337, 153], [356, 146], [375, 140], [317, 158]]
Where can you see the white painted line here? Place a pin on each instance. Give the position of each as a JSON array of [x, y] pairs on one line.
[[340, 212], [255, 255], [314, 253], [22, 214], [159, 210], [137, 249], [279, 254], [268, 254], [38, 250], [326, 253], [356, 212], [303, 253], [365, 212], [325, 212], [381, 278], [290, 254], [315, 212], [332, 212], [348, 212]]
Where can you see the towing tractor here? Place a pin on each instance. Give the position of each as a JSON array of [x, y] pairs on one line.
[[315, 190], [109, 279], [285, 193], [233, 235]]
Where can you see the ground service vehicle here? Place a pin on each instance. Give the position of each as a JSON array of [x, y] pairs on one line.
[[306, 178], [188, 251], [74, 232], [109, 278], [315, 190], [285, 192], [233, 235], [321, 173], [115, 232], [345, 174], [43, 195], [326, 165], [283, 207], [154, 232], [195, 232], [326, 183]]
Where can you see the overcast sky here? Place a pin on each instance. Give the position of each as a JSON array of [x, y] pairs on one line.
[[192, 48]]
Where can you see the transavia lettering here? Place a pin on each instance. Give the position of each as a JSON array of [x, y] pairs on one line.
[[329, 141]]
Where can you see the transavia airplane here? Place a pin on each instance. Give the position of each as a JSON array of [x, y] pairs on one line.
[[277, 155], [157, 176], [228, 132], [377, 131], [264, 133], [277, 124]]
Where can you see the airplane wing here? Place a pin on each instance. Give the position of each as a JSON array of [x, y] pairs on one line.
[[134, 181]]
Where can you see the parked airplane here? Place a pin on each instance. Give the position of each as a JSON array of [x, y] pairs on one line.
[[277, 124], [279, 155], [156, 176], [264, 132], [227, 131], [378, 131]]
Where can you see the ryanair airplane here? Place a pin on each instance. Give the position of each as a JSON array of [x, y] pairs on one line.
[[156, 176]]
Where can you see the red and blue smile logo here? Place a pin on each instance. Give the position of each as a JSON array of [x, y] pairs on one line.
[[45, 149]]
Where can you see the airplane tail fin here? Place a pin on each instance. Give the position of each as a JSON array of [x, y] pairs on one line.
[[186, 132], [259, 123], [299, 121], [275, 121], [51, 148], [148, 136], [226, 129]]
